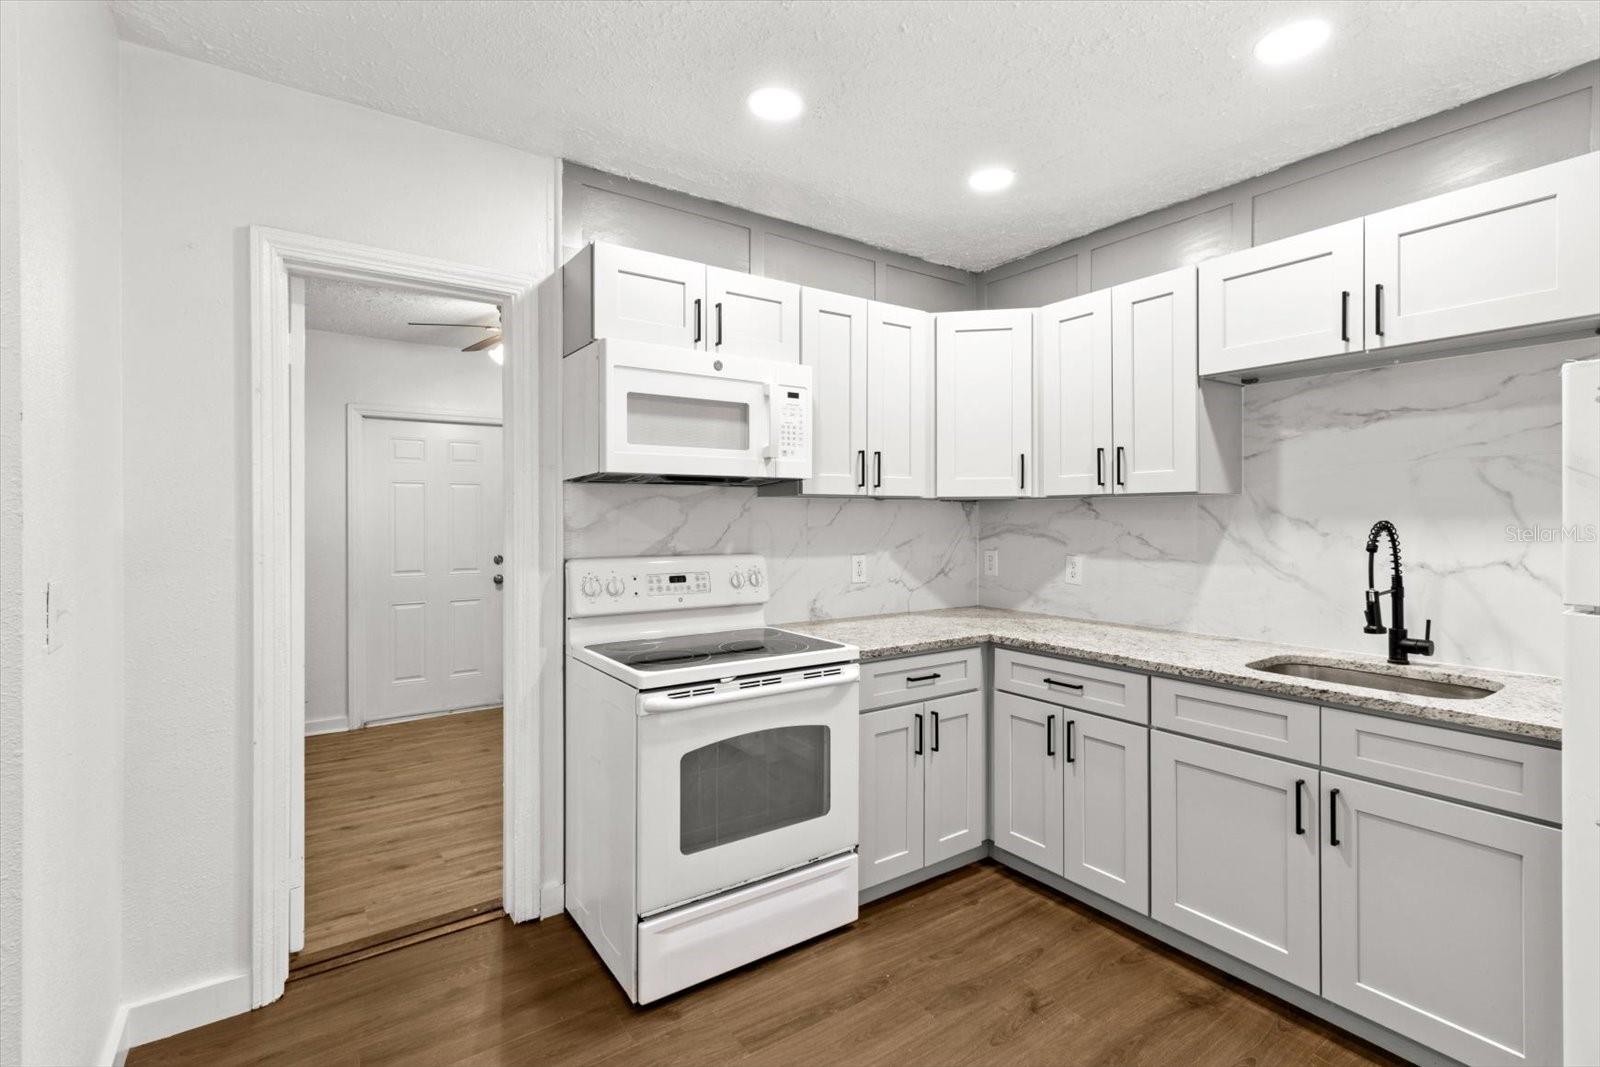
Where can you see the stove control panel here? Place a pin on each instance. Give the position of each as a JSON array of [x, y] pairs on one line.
[[616, 586]]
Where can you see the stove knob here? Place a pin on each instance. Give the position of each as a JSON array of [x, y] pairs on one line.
[[736, 580], [615, 587], [755, 578], [591, 586]]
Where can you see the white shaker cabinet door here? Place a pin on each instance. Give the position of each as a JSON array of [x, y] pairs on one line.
[[1513, 252], [893, 760], [833, 343], [1107, 819], [956, 794], [1072, 345], [1291, 300], [1233, 854], [983, 367], [1443, 922], [1028, 780], [1155, 384], [899, 401], [643, 296], [752, 317]]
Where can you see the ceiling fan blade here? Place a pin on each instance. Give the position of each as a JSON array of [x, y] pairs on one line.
[[487, 342], [465, 325]]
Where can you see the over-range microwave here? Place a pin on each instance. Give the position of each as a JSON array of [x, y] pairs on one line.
[[639, 412]]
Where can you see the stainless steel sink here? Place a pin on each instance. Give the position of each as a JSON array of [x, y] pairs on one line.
[[1392, 683]]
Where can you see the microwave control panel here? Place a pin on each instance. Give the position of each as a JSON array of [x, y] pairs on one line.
[[793, 414]]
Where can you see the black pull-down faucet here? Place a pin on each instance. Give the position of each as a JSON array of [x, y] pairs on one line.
[[1401, 647]]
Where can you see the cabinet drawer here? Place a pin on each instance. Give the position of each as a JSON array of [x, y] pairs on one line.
[[1278, 727], [1497, 773], [1120, 694], [928, 677]]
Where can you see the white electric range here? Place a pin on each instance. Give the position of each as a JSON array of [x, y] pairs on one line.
[[712, 771]]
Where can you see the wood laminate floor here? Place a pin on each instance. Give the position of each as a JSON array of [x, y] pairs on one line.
[[978, 967], [402, 827]]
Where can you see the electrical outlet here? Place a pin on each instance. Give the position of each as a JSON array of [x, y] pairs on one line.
[[858, 570], [1073, 574], [991, 563]]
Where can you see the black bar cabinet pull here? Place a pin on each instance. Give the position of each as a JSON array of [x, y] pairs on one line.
[[1299, 806], [935, 715], [1070, 757], [861, 479], [1344, 315], [1100, 466], [719, 324], [922, 677], [1064, 685], [1049, 735], [918, 751], [1333, 817], [1377, 309], [877, 467], [1022, 470], [1119, 466], [697, 330]]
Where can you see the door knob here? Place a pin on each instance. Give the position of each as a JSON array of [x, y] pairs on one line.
[[499, 579], [499, 560]]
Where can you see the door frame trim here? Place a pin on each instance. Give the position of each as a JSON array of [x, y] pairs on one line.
[[355, 528], [532, 435]]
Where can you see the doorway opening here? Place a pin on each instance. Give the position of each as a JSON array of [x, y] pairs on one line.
[[404, 576]]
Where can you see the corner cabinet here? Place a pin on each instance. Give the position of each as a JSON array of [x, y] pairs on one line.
[[1072, 374], [983, 372], [1028, 780]]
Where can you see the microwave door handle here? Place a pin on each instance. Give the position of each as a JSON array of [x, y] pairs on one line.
[[772, 425]]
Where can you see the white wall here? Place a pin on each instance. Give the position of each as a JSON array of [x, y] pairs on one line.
[[208, 153], [343, 369], [61, 495]]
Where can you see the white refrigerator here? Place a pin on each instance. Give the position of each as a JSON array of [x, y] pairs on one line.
[[1580, 732]]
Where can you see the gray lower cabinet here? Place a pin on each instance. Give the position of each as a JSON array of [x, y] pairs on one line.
[[1233, 853], [1028, 764], [923, 785], [1107, 815], [1442, 922]]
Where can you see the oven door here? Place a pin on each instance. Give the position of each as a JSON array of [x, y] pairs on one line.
[[687, 414], [738, 784]]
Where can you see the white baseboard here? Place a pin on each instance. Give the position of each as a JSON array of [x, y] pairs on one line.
[[326, 726], [552, 900], [115, 1049], [183, 1009]]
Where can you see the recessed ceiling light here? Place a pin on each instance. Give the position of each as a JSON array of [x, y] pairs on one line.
[[991, 179], [1286, 44], [776, 104]]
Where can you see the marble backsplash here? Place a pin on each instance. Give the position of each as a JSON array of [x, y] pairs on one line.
[[1463, 455], [922, 554]]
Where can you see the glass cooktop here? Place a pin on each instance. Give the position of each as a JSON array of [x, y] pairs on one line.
[[693, 650]]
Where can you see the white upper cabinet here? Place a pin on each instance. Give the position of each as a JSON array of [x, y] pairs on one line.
[[984, 382], [1072, 345], [758, 318], [899, 401], [833, 343], [1518, 252], [1295, 299]]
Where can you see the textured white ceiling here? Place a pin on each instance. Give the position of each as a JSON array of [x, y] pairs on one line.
[[376, 311], [1105, 110]]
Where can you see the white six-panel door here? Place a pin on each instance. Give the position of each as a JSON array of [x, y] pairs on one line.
[[753, 317], [1072, 343], [427, 612], [983, 364], [893, 758], [1107, 820], [1290, 300], [833, 343], [957, 785], [644, 296], [899, 400], [1028, 801], [1155, 384]]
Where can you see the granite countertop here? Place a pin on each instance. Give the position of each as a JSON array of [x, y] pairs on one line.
[[1526, 706]]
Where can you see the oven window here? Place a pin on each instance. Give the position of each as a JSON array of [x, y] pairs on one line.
[[688, 422], [750, 784]]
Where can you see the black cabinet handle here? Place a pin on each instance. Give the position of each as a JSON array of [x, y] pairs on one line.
[[1333, 817], [1377, 309], [1100, 466], [697, 330], [877, 467], [1064, 685], [935, 715], [1049, 735], [1119, 466], [861, 479], [1299, 806], [918, 750], [1070, 757], [1022, 470], [921, 677], [1344, 316], [719, 324]]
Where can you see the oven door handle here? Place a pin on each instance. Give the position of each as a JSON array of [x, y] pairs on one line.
[[662, 701]]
